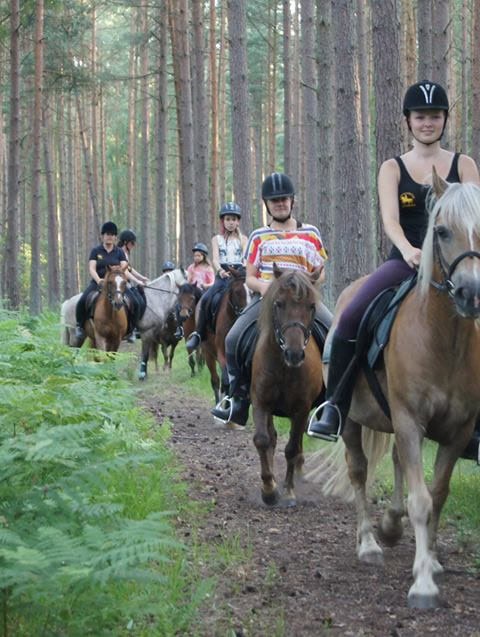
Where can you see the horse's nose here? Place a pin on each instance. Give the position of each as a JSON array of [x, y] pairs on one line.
[[467, 298], [294, 357]]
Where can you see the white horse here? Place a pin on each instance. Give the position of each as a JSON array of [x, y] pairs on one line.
[[68, 322], [161, 295]]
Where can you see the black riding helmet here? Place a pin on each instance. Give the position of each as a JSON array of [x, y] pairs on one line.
[[200, 247], [277, 185], [109, 228], [230, 209], [126, 236], [424, 96], [167, 266]]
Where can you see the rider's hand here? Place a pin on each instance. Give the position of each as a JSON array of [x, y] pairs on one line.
[[223, 274], [412, 256]]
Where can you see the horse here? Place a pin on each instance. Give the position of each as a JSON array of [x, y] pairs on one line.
[[68, 321], [189, 296], [234, 299], [431, 378], [161, 297], [110, 322], [286, 374]]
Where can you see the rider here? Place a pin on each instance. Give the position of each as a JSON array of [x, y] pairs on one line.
[[167, 266], [403, 186], [290, 245], [228, 248], [201, 273], [127, 241], [105, 254]]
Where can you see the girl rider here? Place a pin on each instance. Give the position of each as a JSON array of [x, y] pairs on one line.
[[228, 248], [403, 185]]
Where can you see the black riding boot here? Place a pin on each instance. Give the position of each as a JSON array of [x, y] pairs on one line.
[[237, 408], [341, 378]]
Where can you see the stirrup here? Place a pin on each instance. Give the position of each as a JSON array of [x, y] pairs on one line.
[[314, 418], [229, 402]]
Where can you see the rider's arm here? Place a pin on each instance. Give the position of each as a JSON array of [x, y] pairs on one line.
[[216, 255], [139, 277], [253, 282], [467, 170], [388, 180], [92, 269]]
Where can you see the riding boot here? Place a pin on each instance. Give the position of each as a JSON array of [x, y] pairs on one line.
[[341, 379], [472, 450], [237, 408]]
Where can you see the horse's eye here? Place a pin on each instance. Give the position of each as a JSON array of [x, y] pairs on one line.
[[279, 305], [443, 233]]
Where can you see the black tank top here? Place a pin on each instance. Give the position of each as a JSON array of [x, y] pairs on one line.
[[412, 204]]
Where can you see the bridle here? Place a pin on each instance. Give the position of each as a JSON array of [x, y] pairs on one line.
[[447, 269], [115, 297], [280, 330]]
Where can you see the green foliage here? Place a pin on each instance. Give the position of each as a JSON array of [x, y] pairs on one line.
[[87, 492]]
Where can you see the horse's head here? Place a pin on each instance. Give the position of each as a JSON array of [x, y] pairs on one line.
[[237, 290], [114, 286], [188, 296], [289, 307], [451, 250]]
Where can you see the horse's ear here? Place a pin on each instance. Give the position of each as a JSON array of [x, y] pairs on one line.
[[439, 184], [276, 271], [315, 274]]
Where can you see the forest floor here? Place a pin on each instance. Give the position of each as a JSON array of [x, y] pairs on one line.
[[298, 576]]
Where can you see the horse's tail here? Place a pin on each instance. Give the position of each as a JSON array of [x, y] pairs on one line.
[[328, 466]]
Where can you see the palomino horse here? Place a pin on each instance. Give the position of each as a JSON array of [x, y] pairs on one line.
[[286, 374], [234, 299], [161, 296], [110, 322], [432, 381], [188, 297]]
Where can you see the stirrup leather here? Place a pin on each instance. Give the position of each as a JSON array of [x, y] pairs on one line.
[[229, 401], [314, 417]]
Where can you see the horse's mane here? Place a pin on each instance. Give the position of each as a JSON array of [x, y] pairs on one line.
[[457, 208], [190, 288], [296, 282]]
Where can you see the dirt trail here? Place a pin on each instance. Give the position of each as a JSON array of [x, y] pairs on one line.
[[303, 578]]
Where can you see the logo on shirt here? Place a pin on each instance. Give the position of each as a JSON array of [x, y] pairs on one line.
[[407, 200]]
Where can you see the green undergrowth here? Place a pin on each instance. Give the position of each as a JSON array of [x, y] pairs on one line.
[[90, 497]]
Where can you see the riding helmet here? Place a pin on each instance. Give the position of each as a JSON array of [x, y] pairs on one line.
[[200, 247], [126, 236], [277, 185], [230, 209], [167, 266], [110, 228], [423, 96]]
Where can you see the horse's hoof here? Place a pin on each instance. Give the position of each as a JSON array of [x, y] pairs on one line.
[[373, 558], [271, 499], [142, 376], [423, 602], [289, 503]]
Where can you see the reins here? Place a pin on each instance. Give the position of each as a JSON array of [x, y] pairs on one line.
[[279, 330]]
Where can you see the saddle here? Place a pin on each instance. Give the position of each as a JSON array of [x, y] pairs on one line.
[[374, 333]]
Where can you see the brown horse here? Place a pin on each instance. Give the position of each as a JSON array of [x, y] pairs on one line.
[[189, 296], [431, 379], [233, 301], [286, 374], [109, 323]]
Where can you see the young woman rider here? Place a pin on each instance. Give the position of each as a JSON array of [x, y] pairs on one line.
[[403, 186], [228, 248]]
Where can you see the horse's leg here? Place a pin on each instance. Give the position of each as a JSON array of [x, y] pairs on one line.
[[391, 527], [191, 361], [211, 362], [172, 352], [367, 548], [165, 356], [294, 454], [265, 446], [142, 374], [424, 592]]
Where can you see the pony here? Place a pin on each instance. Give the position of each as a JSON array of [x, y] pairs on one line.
[[286, 374], [431, 378], [234, 299], [110, 322], [161, 297], [189, 296]]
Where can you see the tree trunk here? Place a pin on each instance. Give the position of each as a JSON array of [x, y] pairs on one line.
[[11, 249], [424, 35], [476, 82], [145, 258], [214, 194], [52, 223], [237, 30], [35, 272]]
